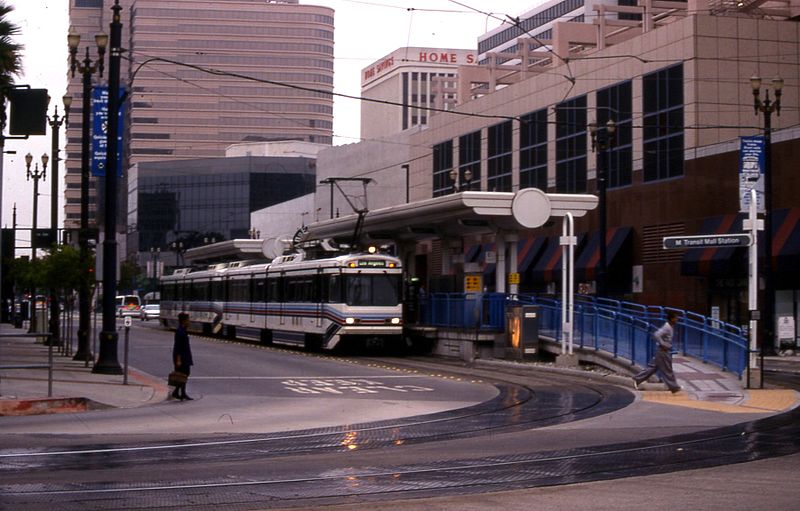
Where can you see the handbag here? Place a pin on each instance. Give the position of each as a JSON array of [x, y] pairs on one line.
[[176, 379]]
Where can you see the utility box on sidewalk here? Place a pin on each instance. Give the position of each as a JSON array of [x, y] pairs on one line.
[[522, 332]]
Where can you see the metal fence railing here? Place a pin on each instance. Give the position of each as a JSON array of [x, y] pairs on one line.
[[620, 328]]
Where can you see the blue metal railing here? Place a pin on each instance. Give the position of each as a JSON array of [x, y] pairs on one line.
[[622, 329]]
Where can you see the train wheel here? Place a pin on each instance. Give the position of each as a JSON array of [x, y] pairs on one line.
[[266, 337], [230, 332], [313, 342]]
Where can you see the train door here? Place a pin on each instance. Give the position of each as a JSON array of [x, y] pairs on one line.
[[282, 301], [259, 299], [226, 309], [251, 302], [320, 296]]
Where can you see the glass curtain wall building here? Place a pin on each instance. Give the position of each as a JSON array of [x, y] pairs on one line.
[[272, 77], [184, 204]]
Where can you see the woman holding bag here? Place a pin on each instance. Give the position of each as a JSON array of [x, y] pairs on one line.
[[182, 356]]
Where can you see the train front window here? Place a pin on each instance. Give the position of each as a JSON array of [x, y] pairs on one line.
[[372, 289]]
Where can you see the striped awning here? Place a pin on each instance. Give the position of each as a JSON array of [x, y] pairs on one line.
[[713, 260], [586, 263], [528, 251], [786, 241], [548, 267]]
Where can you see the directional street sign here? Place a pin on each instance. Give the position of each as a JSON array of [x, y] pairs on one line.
[[708, 241]]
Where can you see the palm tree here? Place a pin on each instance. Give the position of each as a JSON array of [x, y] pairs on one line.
[[10, 65], [10, 56]]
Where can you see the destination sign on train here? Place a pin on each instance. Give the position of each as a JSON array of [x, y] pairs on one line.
[[707, 241], [371, 263]]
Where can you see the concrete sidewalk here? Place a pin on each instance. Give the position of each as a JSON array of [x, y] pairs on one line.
[[74, 386]]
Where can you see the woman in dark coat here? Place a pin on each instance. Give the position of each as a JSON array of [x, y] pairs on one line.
[[182, 355]]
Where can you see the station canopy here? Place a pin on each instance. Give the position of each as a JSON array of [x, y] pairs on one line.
[[457, 214]]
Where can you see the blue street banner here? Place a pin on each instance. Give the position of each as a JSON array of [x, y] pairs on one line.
[[100, 130], [752, 161]]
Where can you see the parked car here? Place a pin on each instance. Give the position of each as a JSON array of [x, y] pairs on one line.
[[150, 311]]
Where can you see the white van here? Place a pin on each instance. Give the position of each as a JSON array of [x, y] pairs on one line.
[[128, 305]]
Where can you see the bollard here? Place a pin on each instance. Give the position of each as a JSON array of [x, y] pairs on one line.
[[49, 369], [125, 358]]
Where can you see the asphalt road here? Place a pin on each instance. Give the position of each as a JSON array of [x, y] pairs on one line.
[[277, 429]]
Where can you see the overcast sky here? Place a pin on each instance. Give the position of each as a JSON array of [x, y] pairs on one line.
[[365, 32]]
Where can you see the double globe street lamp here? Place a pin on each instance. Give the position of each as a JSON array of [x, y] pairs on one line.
[[767, 107], [458, 185], [87, 68], [55, 125], [36, 175], [602, 142]]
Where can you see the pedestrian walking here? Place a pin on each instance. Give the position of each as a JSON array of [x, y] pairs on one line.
[[662, 360], [182, 356]]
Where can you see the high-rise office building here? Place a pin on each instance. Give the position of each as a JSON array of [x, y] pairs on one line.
[[203, 75], [417, 78]]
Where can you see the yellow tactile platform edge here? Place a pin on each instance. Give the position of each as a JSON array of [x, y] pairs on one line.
[[755, 401]]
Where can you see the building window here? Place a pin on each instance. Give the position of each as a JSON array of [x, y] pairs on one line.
[[615, 103], [533, 150], [663, 123], [469, 157], [499, 158], [571, 146], [442, 165]]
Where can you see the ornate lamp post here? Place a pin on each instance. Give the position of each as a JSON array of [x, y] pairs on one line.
[[155, 263], [602, 142], [107, 360], [87, 68], [55, 125], [458, 185], [767, 107], [468, 179], [36, 175], [178, 248]]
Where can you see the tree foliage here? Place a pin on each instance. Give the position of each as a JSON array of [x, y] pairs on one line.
[[61, 269], [10, 51]]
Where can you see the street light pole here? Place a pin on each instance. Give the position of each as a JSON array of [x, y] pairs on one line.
[[107, 361], [767, 107], [406, 168], [87, 68], [36, 175], [55, 126], [603, 144], [155, 262]]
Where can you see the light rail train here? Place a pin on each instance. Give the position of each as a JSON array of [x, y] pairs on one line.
[[346, 300]]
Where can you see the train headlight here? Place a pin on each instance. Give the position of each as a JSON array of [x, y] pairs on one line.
[[350, 321], [395, 321]]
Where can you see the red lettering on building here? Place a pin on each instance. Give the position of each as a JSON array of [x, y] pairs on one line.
[[386, 64]]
